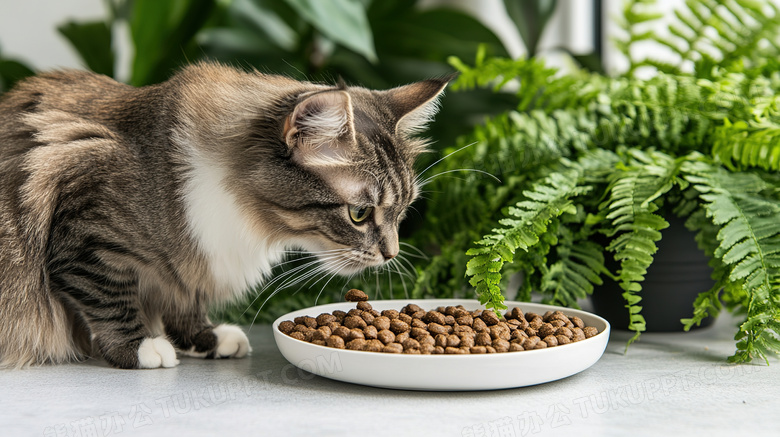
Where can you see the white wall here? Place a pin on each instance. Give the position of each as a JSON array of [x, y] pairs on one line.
[[28, 30]]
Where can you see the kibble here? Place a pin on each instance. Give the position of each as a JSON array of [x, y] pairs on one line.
[[445, 330], [356, 295]]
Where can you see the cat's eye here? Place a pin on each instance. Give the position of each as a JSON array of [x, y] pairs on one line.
[[359, 214]]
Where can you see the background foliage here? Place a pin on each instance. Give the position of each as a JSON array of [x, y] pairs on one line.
[[545, 174]]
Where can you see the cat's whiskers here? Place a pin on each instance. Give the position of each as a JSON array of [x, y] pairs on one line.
[[420, 253], [419, 175], [474, 170]]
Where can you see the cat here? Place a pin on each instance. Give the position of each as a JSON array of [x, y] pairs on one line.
[[125, 213]]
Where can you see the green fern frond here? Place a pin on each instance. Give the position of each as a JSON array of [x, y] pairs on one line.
[[706, 33], [526, 221], [749, 245], [636, 228], [741, 145]]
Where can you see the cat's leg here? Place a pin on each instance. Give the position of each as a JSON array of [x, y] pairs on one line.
[[194, 335], [110, 308]]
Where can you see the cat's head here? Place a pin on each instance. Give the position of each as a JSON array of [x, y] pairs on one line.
[[353, 152], [326, 169]]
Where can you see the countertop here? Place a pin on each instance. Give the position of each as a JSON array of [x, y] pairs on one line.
[[666, 384]]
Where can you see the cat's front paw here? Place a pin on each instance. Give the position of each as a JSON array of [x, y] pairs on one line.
[[231, 342], [156, 352]]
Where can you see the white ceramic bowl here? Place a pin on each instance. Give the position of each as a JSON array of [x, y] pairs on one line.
[[444, 372]]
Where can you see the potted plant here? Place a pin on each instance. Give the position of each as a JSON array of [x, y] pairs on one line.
[[596, 167]]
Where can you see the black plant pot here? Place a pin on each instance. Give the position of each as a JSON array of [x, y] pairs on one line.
[[678, 274]]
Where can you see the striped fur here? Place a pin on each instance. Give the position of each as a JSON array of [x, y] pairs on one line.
[[126, 212]]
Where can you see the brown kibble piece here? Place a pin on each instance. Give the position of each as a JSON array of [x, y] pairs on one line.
[[427, 349], [482, 339], [355, 333], [459, 329], [467, 341], [370, 332], [515, 347], [478, 350], [390, 314], [286, 326], [339, 315], [335, 341], [411, 343], [398, 326], [501, 345], [321, 333], [453, 340], [541, 345], [341, 331], [531, 331], [418, 332], [590, 331], [364, 306], [558, 323], [465, 320], [385, 336], [297, 335], [518, 335], [514, 313], [536, 323], [382, 322], [373, 346], [490, 349], [427, 339], [550, 340], [566, 332], [435, 329], [438, 350], [357, 344], [418, 323], [578, 334], [531, 316], [355, 312], [406, 318], [411, 309], [441, 340], [319, 342], [479, 325], [393, 348], [433, 317], [333, 326], [455, 350], [577, 322], [356, 295], [352, 322], [562, 339], [546, 329], [489, 317], [367, 317], [531, 342], [401, 336], [449, 320], [325, 318]]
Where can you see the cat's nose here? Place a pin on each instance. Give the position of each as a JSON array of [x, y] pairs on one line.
[[389, 256]]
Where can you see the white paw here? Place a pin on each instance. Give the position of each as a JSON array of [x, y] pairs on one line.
[[231, 342], [156, 352]]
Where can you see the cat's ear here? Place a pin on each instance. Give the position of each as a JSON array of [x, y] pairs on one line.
[[415, 105], [320, 131]]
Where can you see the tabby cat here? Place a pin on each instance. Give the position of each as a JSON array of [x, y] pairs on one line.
[[126, 212]]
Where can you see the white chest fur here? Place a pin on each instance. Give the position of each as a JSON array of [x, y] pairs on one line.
[[237, 257]]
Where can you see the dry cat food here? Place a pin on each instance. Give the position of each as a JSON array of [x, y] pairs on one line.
[[445, 330]]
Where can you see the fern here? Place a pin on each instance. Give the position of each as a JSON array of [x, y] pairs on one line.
[[527, 220], [635, 227], [704, 33], [749, 248]]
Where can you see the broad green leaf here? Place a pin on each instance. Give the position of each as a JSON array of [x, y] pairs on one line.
[[342, 21]]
